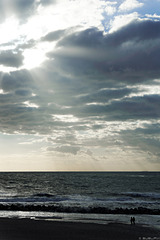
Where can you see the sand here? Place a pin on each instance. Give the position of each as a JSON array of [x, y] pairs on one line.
[[26, 229]]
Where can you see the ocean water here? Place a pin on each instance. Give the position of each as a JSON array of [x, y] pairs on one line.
[[82, 196]]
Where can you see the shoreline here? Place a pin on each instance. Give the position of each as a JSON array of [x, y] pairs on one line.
[[144, 220], [29, 229]]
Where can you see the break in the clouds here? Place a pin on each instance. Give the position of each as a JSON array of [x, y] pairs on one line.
[[79, 85]]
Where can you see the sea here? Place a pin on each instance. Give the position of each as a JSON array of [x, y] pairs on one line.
[[94, 197]]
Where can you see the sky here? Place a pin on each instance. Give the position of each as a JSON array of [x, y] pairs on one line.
[[79, 85]]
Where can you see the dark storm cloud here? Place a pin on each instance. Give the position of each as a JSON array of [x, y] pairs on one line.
[[19, 117], [104, 95], [72, 93], [95, 67], [93, 78], [91, 37], [16, 97], [23, 8], [18, 87], [11, 59], [53, 36], [23, 92], [146, 139], [145, 107], [24, 106], [83, 72], [16, 117], [16, 80], [129, 55], [137, 31]]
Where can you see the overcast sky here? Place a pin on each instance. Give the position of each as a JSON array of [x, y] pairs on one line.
[[79, 85]]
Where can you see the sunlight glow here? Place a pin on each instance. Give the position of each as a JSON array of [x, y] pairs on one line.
[[9, 30], [6, 69], [30, 105], [1, 91], [65, 118], [35, 56]]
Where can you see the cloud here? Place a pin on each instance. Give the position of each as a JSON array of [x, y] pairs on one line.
[[26, 45], [145, 139], [146, 107], [21, 8], [110, 8], [18, 8], [11, 59], [66, 149], [46, 2], [154, 16], [87, 79], [88, 96], [91, 91], [120, 21], [102, 96], [16, 80], [23, 92], [128, 5], [53, 36], [129, 55]]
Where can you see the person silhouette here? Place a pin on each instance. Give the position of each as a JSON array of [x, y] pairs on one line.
[[133, 220]]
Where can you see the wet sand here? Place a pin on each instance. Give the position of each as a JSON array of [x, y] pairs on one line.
[[26, 229]]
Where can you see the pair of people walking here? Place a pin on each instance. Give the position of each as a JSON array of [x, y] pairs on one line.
[[132, 220]]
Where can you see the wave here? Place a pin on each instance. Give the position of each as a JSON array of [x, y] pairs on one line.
[[43, 195], [46, 197], [143, 195], [128, 197], [34, 199], [77, 209]]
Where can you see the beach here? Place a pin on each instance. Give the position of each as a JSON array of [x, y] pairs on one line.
[[27, 229], [79, 206]]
